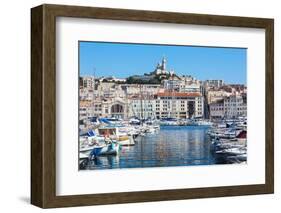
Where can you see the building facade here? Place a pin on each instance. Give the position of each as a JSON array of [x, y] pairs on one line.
[[179, 105], [229, 107], [235, 106], [217, 109], [142, 108], [87, 82], [213, 83]]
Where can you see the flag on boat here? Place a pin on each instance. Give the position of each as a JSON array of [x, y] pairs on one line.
[[90, 133], [104, 120]]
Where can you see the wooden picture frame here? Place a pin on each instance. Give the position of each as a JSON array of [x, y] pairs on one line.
[[43, 105]]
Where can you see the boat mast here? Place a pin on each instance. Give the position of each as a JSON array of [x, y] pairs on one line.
[[141, 103], [173, 96]]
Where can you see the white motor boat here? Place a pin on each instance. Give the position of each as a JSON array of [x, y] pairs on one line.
[[232, 151], [117, 133], [204, 123]]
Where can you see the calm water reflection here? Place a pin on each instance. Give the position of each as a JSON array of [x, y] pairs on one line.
[[171, 146]]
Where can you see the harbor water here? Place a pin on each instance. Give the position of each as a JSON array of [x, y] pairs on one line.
[[170, 146]]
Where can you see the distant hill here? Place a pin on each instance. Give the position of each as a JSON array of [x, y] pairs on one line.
[[159, 74], [147, 79]]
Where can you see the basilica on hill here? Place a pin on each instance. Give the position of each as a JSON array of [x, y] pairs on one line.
[[161, 68], [160, 73]]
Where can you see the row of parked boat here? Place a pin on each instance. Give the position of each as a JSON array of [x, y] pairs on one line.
[[108, 138], [229, 141], [184, 122]]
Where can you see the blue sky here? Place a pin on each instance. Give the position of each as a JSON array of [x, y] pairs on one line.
[[122, 60]]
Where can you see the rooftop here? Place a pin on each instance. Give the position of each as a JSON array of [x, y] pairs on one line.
[[178, 94]]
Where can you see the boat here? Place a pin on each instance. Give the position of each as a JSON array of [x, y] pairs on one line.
[[151, 125], [86, 149], [223, 133], [125, 140], [242, 157], [221, 125], [204, 123], [151, 130], [134, 121], [242, 136], [83, 160], [169, 122], [118, 133], [105, 149], [232, 151], [88, 143]]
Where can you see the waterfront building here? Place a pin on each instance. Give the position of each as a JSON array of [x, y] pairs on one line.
[[110, 107], [217, 109], [229, 107], [161, 105], [179, 105], [142, 108], [235, 106]]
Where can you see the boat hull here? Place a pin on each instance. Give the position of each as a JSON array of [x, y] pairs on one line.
[[110, 149], [127, 142]]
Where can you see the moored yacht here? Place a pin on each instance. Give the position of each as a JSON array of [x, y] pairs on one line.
[[118, 133]]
